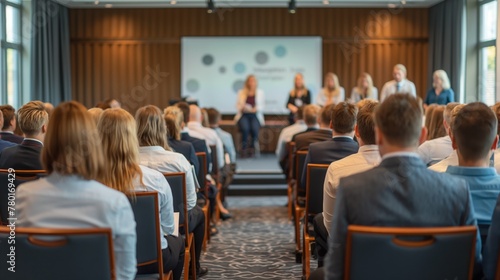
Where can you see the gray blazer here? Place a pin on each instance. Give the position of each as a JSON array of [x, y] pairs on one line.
[[400, 192]]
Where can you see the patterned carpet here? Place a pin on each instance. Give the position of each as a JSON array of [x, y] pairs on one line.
[[257, 243]]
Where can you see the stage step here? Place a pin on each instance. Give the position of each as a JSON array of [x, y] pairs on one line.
[[257, 178], [257, 190]]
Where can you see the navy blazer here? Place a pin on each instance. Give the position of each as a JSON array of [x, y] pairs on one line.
[[187, 150], [492, 246], [400, 192], [199, 146], [25, 156], [327, 152], [11, 137]]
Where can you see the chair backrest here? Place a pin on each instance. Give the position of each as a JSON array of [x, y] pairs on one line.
[[202, 176], [147, 219], [41, 253], [300, 159], [290, 146], [315, 179], [177, 182], [9, 180], [410, 253], [215, 162]]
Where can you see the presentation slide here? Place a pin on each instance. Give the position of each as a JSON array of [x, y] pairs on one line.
[[214, 69]]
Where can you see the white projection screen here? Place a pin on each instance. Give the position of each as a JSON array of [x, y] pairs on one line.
[[213, 69]]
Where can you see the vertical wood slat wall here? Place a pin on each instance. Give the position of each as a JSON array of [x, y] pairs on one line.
[[134, 54]]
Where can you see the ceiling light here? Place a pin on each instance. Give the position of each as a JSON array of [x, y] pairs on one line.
[[403, 2], [211, 6], [392, 6], [173, 2], [96, 2], [292, 7], [108, 6], [326, 2]]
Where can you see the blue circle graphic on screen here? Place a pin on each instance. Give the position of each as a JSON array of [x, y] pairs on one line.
[[280, 51], [192, 85], [207, 59], [239, 68], [261, 58], [222, 69], [238, 85]]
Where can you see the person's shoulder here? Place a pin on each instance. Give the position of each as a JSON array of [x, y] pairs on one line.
[[150, 173]]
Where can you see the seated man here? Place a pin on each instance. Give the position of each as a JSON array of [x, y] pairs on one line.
[[474, 136], [33, 121], [214, 118], [286, 135], [435, 150], [341, 144], [303, 140], [367, 157], [401, 191], [9, 125], [492, 246]]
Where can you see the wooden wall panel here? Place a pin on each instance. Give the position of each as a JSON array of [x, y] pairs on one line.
[[134, 54]]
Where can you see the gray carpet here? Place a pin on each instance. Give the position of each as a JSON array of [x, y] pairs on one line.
[[258, 243]]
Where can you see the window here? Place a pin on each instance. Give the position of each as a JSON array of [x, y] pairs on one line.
[[10, 55], [488, 11]]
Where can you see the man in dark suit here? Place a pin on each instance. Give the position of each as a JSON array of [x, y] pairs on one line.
[[9, 125], [303, 140], [33, 121], [4, 144], [342, 143], [401, 191]]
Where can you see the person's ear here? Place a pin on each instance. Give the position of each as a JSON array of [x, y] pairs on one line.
[[44, 128], [356, 132], [331, 125], [379, 137], [454, 144], [495, 143]]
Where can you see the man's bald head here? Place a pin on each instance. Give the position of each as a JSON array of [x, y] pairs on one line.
[[194, 113]]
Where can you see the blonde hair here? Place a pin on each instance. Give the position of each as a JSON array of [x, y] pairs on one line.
[[369, 90], [295, 90], [151, 127], [95, 113], [121, 149], [72, 144], [31, 117], [175, 114], [441, 74], [401, 67], [336, 89], [246, 88]]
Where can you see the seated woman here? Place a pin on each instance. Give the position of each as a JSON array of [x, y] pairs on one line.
[[250, 117], [364, 89], [71, 195], [299, 96], [155, 153], [121, 149], [332, 92], [441, 92]]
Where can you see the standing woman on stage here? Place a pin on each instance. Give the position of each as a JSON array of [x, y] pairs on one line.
[[364, 89], [250, 116], [332, 92], [441, 92], [299, 96]]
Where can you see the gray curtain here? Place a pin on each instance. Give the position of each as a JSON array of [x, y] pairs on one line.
[[445, 42], [50, 52]]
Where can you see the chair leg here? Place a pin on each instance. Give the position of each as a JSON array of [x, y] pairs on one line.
[[169, 276], [290, 201], [306, 256], [298, 215], [187, 256]]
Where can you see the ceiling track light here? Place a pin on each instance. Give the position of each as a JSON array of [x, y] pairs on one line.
[[292, 7], [211, 6]]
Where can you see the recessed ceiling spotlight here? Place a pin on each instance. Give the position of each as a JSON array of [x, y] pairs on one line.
[[326, 2], [391, 6], [292, 7], [96, 2], [173, 2], [211, 6], [403, 2], [108, 6]]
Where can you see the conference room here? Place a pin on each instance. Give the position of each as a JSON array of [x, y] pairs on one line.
[[249, 139]]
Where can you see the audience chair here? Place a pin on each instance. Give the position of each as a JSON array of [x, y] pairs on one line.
[[300, 159], [216, 175], [315, 179], [202, 160], [148, 247], [410, 253], [177, 182], [16, 178], [290, 146], [42, 253]]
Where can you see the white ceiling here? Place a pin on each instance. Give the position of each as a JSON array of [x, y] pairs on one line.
[[247, 3]]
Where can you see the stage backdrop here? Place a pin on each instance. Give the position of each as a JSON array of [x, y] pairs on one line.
[[214, 69]]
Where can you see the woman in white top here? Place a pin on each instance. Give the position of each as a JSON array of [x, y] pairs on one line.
[[364, 89], [332, 92], [155, 153], [250, 115], [121, 149], [71, 195]]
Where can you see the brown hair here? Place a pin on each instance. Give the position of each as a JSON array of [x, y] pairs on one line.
[[399, 118], [151, 127], [185, 110], [366, 123], [9, 113], [344, 117], [447, 111], [204, 119], [32, 116], [310, 113], [213, 116], [72, 144], [326, 114], [428, 115], [496, 110], [436, 127], [474, 129]]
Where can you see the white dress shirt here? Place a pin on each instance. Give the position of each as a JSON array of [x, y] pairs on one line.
[[321, 99], [227, 141], [210, 137], [286, 136], [435, 150], [391, 87], [157, 158], [156, 182], [70, 201], [366, 158], [441, 166]]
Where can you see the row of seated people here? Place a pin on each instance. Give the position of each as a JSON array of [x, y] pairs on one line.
[[386, 182], [86, 160]]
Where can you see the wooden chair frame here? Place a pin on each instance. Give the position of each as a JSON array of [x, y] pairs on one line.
[[298, 210], [202, 159], [290, 146]]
